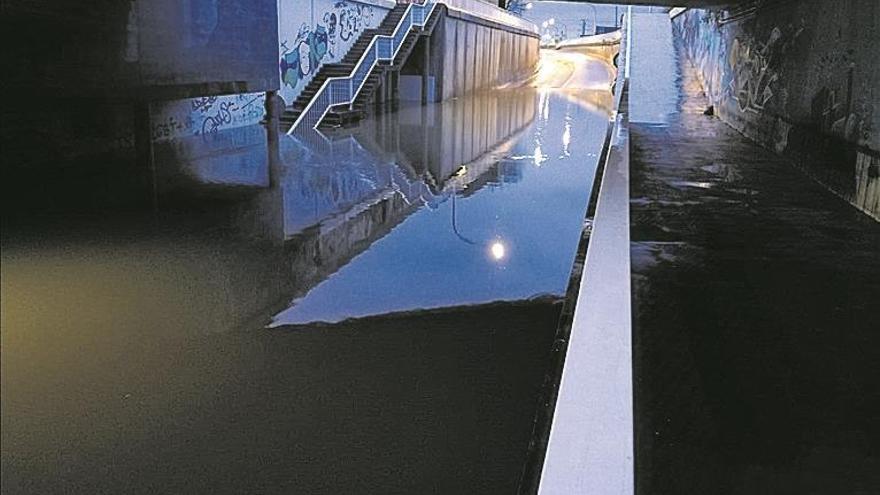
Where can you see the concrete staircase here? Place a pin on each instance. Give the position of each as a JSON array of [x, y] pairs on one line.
[[369, 95], [342, 68]]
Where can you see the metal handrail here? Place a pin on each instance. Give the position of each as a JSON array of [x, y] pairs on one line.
[[341, 90]]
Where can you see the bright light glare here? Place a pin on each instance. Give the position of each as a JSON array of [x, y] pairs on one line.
[[529, 6], [497, 250], [552, 21]]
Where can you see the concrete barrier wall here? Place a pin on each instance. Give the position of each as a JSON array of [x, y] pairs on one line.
[[144, 49], [310, 34], [471, 54], [803, 80], [79, 72]]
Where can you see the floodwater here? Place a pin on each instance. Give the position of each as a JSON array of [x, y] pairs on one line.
[[137, 349], [486, 195]]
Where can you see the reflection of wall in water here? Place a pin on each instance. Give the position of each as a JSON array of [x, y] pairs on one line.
[[303, 208], [320, 183], [439, 139], [233, 158]]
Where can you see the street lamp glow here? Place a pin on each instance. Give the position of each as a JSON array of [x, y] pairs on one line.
[[552, 21], [529, 6], [497, 250]]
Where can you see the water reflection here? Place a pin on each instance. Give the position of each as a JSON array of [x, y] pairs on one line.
[[111, 316], [229, 159], [473, 200], [499, 216]]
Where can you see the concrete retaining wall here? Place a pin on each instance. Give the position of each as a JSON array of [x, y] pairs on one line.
[[139, 49], [472, 54], [310, 34], [803, 79]]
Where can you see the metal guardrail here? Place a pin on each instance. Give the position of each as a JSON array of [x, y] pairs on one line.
[[344, 90]]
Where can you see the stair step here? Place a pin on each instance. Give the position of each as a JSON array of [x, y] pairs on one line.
[[342, 115]]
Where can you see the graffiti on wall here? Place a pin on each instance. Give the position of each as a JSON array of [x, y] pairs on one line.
[[301, 57], [800, 87], [206, 115], [754, 67], [744, 69], [833, 113]]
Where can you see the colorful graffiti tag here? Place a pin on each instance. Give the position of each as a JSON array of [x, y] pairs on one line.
[[308, 50], [206, 115], [754, 69], [751, 71], [312, 45]]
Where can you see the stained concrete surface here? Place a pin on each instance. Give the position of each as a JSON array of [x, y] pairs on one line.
[[756, 304]]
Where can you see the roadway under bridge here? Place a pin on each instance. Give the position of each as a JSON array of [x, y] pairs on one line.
[[641, 262]]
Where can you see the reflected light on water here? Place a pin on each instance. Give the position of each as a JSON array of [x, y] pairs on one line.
[[498, 250], [566, 138]]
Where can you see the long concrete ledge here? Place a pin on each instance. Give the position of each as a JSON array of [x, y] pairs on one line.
[[591, 441], [480, 11], [590, 448], [457, 14]]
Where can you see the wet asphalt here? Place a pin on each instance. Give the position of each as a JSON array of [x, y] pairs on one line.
[[756, 315]]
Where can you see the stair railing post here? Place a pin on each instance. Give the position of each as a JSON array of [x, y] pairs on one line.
[[351, 90]]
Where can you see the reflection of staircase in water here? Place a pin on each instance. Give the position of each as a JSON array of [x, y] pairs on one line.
[[388, 179], [319, 250]]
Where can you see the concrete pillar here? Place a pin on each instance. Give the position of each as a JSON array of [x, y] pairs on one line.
[[426, 71], [274, 108], [143, 145], [480, 58], [490, 48], [386, 89], [395, 88]]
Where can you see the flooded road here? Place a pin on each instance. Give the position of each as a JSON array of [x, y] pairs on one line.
[[493, 189], [136, 356]]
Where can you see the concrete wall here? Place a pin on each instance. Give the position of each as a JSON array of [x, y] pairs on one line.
[[205, 115], [470, 55], [315, 32], [311, 34], [144, 49], [803, 79], [79, 72]]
